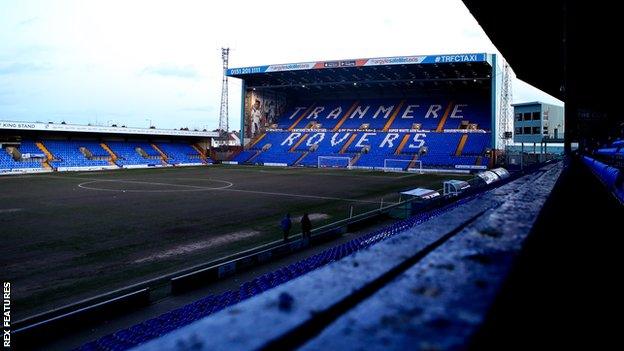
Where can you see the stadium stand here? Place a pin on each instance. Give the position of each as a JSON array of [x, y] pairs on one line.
[[90, 154], [441, 132]]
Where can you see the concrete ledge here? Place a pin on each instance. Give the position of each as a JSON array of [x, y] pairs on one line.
[[440, 302]]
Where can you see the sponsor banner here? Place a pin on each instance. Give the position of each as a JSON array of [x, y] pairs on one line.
[[275, 164], [229, 162], [85, 168], [141, 166], [24, 171], [470, 167], [398, 60], [456, 58], [377, 61], [187, 164]]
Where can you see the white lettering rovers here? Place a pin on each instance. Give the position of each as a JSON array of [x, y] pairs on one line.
[[418, 141], [336, 139], [364, 139], [390, 137], [335, 142], [319, 136], [291, 139]]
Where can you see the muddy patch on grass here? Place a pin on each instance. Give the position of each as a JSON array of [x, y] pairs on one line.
[[221, 240], [312, 216]]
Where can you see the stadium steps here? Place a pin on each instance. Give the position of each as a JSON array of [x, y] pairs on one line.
[[344, 118], [355, 159], [460, 146], [202, 156], [306, 112], [111, 153], [440, 127], [346, 145], [299, 142], [393, 116], [254, 156], [254, 142], [162, 153], [399, 149], [296, 163], [412, 163], [45, 150]]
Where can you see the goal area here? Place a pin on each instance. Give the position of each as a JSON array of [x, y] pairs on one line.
[[334, 162]]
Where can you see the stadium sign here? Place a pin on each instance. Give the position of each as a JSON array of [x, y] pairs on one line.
[[101, 129], [377, 61]]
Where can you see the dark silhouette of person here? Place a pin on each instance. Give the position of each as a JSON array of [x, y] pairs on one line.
[[286, 224], [306, 227]]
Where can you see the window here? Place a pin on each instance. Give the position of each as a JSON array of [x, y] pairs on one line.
[[519, 130], [536, 116], [527, 130], [518, 116], [536, 130], [527, 116]]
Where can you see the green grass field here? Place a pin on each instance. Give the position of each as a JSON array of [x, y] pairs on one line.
[[70, 236]]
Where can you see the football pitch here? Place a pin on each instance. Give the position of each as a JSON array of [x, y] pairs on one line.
[[70, 236]]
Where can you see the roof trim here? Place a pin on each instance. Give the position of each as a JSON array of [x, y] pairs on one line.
[[55, 127]]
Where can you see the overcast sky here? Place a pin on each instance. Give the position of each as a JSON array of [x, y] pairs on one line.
[[128, 61]]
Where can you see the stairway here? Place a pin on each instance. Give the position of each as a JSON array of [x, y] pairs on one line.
[[49, 156], [163, 156], [253, 157], [111, 153], [199, 151], [460, 146], [346, 145], [355, 159], [45, 150], [404, 141], [301, 158]]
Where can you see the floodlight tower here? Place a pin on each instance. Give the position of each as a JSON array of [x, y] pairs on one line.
[[505, 114], [223, 113]]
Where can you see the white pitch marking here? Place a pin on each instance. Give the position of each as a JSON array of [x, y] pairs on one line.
[[203, 188]]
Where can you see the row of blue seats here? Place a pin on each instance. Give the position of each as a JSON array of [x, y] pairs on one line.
[[611, 177], [67, 153], [427, 111], [153, 328], [27, 147]]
